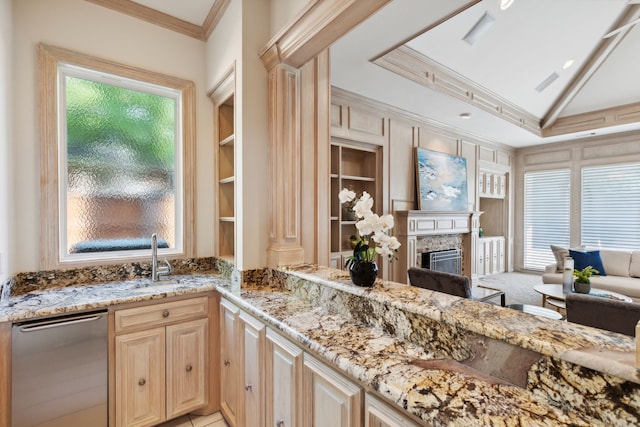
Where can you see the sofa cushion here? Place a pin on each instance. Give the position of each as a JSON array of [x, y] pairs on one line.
[[560, 254], [634, 268], [616, 262], [583, 259], [623, 285]]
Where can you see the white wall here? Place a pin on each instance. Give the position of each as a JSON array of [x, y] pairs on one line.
[[254, 172], [88, 28], [6, 29]]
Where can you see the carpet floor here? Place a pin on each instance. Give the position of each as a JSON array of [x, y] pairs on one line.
[[518, 287]]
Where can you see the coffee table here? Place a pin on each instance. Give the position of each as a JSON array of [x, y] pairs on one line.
[[482, 293], [535, 310], [553, 295]]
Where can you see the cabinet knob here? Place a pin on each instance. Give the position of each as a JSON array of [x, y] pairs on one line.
[[189, 368], [280, 423], [226, 362], [142, 382], [247, 387], [165, 313]]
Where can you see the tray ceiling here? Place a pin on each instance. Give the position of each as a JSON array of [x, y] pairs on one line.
[[525, 45]]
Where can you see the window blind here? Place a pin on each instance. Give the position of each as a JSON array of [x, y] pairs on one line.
[[611, 206], [547, 203]]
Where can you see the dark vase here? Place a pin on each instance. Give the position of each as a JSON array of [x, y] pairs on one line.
[[582, 287], [364, 273]]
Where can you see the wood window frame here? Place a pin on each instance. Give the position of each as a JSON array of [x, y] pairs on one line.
[[49, 57]]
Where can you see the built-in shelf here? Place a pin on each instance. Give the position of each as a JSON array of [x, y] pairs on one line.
[[228, 140], [224, 123], [356, 166]]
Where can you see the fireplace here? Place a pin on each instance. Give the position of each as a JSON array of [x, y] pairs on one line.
[[449, 261], [422, 232]]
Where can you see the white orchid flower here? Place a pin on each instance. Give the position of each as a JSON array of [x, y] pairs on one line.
[[346, 195]]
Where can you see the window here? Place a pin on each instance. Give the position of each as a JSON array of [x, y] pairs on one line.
[[611, 206], [547, 200], [117, 146]]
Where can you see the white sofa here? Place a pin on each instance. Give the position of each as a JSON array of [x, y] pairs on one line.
[[622, 268]]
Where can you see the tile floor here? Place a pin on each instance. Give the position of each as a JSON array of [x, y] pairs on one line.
[[213, 420]]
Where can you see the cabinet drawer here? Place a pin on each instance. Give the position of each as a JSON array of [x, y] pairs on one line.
[[159, 314]]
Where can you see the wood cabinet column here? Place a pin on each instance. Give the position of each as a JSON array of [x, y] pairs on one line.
[[284, 174]]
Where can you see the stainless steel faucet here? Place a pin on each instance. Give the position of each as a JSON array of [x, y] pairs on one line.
[[157, 270]]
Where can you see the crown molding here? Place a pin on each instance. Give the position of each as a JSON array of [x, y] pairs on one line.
[[164, 20], [314, 29], [614, 116]]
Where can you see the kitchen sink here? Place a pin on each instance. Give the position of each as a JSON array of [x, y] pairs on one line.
[[162, 285]]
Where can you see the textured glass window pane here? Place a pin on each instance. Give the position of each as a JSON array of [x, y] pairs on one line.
[[120, 167]]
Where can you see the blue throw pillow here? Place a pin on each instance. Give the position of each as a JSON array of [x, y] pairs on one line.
[[583, 259]]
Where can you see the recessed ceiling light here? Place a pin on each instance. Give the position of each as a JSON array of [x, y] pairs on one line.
[[465, 116], [479, 28], [568, 63], [505, 4]]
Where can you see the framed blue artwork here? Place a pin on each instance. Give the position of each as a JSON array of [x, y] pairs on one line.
[[442, 181]]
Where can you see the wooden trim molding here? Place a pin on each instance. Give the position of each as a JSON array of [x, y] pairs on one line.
[[606, 47], [5, 374], [214, 16], [284, 172], [48, 59], [614, 116], [315, 28], [164, 20], [415, 66]]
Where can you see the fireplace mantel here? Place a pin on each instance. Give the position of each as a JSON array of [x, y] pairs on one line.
[[411, 225]]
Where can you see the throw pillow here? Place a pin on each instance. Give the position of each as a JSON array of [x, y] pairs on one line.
[[560, 254], [583, 259]]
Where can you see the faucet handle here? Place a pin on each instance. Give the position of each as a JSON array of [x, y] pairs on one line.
[[167, 269]]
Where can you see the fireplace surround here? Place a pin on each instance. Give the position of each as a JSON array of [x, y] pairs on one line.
[[414, 227]]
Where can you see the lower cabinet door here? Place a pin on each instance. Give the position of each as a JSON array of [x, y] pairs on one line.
[[331, 400], [186, 366], [378, 413], [230, 357], [283, 372], [140, 378], [253, 333]]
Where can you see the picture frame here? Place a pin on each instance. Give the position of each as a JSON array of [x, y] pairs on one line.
[[441, 181]]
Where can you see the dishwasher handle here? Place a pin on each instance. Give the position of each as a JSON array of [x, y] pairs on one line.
[[57, 323]]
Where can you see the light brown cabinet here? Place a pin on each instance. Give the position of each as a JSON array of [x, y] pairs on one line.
[[230, 356], [160, 361], [377, 413], [283, 375], [270, 381], [252, 394], [330, 398]]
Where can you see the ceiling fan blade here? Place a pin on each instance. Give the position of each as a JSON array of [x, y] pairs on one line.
[[624, 27]]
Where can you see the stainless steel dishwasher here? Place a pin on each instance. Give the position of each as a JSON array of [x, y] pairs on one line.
[[59, 371]]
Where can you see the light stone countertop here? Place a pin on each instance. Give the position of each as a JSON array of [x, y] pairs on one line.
[[410, 345]]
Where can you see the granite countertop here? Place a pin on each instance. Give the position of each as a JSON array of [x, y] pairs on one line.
[[437, 390], [410, 345], [68, 299]]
